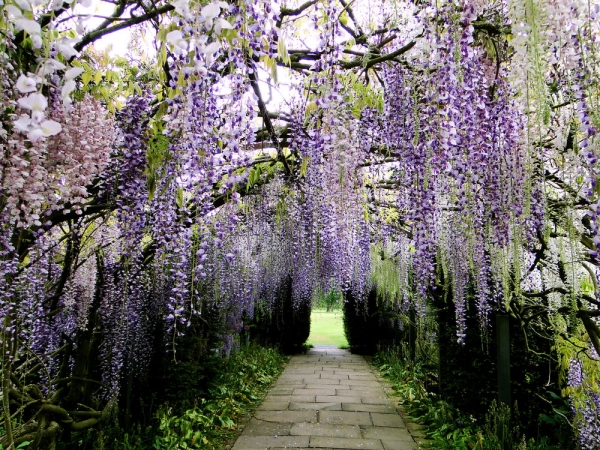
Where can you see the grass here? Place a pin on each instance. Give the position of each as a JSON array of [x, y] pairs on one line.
[[327, 328]]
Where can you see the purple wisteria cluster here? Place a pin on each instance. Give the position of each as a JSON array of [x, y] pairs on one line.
[[444, 132], [586, 407]]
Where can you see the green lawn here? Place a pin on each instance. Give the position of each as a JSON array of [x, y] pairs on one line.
[[327, 328]]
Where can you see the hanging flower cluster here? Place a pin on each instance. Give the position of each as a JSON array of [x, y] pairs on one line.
[[42, 176], [443, 133]]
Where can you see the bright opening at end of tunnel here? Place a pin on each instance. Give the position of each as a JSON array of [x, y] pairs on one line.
[[327, 328]]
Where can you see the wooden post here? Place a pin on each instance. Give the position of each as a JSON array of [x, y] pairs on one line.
[[503, 359]]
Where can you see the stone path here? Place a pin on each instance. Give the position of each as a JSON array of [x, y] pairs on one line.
[[327, 398]]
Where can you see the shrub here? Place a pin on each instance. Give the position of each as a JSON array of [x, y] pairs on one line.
[[283, 324], [366, 323]]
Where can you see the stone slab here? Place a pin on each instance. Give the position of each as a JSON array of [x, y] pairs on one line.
[[332, 376], [290, 398], [345, 443], [360, 383], [362, 377], [273, 406], [287, 416], [322, 429], [375, 400], [326, 381], [345, 418], [372, 388], [399, 445], [246, 442], [394, 434], [322, 391], [315, 407], [357, 407], [318, 385], [387, 420], [337, 399], [281, 391], [283, 383], [256, 427]]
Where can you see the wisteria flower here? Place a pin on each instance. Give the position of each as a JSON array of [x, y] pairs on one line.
[[14, 11], [23, 4], [67, 88], [65, 46], [211, 11], [222, 24], [36, 131], [210, 50], [27, 84], [34, 102], [32, 28], [23, 123], [183, 8], [73, 73], [176, 39]]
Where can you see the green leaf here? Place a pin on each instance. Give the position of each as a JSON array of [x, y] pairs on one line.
[[344, 18], [86, 77]]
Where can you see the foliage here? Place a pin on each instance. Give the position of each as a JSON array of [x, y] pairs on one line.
[[284, 325], [451, 428], [233, 389], [366, 324], [426, 150], [330, 300]]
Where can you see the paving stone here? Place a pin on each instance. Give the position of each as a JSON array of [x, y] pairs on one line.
[[286, 377], [375, 400], [388, 409], [368, 392], [256, 427], [303, 358], [322, 429], [317, 385], [273, 406], [345, 418], [332, 376], [287, 416], [281, 391], [397, 434], [389, 444], [324, 381], [244, 442], [362, 377], [337, 399], [281, 383], [290, 398], [303, 371], [328, 399], [339, 443], [321, 391], [369, 389], [387, 420], [315, 407], [360, 383]]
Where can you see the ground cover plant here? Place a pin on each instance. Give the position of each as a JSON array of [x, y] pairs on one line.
[[237, 385], [450, 428], [433, 164]]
